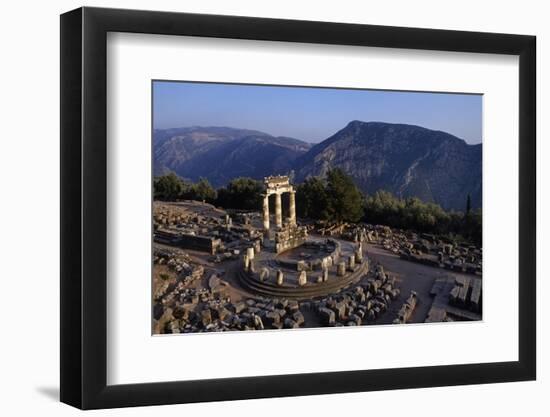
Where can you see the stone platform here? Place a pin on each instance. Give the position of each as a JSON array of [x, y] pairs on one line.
[[309, 290]]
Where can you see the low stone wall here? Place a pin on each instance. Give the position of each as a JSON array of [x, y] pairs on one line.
[[290, 238], [252, 280], [331, 254], [188, 241], [455, 265]]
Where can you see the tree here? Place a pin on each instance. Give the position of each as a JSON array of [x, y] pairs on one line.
[[468, 205], [472, 227], [168, 187], [312, 199], [414, 214], [241, 193], [345, 199], [203, 191], [383, 208], [336, 198]]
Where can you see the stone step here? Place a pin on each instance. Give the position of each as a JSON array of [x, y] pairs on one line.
[[310, 290]]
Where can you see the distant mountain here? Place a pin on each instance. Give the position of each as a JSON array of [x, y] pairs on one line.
[[222, 153], [404, 159]]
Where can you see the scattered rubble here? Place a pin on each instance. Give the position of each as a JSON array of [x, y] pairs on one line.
[[202, 310], [466, 294], [191, 293], [202, 227], [407, 309], [425, 248], [361, 304]]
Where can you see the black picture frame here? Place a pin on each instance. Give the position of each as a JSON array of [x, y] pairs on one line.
[[84, 207]]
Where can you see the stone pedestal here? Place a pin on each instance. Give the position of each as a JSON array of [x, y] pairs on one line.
[[351, 262], [250, 253], [302, 278], [257, 247], [341, 269], [280, 277], [228, 222], [359, 253]]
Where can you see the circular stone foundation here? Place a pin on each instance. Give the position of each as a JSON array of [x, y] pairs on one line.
[[316, 268], [311, 255]]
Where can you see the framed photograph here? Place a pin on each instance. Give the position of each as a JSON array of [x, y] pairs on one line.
[[261, 208]]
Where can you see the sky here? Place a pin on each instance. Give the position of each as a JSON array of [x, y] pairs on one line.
[[308, 113]]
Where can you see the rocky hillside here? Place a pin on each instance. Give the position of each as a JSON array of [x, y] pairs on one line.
[[403, 159], [221, 154]]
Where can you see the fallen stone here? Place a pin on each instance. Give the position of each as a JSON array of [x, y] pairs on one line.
[[292, 305], [206, 317], [340, 310], [290, 324], [239, 307], [258, 323], [327, 316], [298, 317], [271, 318]]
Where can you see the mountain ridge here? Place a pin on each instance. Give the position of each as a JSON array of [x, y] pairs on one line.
[[407, 160], [222, 153]]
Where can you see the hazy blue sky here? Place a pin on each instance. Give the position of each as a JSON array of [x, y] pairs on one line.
[[310, 114]]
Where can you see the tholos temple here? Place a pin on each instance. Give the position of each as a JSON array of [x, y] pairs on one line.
[[219, 269]]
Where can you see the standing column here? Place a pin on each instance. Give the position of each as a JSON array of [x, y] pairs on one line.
[[278, 211], [266, 212], [292, 216]]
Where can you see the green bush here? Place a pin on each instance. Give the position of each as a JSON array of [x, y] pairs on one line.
[[168, 187], [411, 213], [201, 191], [241, 193]]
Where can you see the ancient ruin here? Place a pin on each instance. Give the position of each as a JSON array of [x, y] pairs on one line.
[[289, 263], [278, 185], [219, 270]]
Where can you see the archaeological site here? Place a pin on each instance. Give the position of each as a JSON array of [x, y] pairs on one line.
[[265, 268]]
